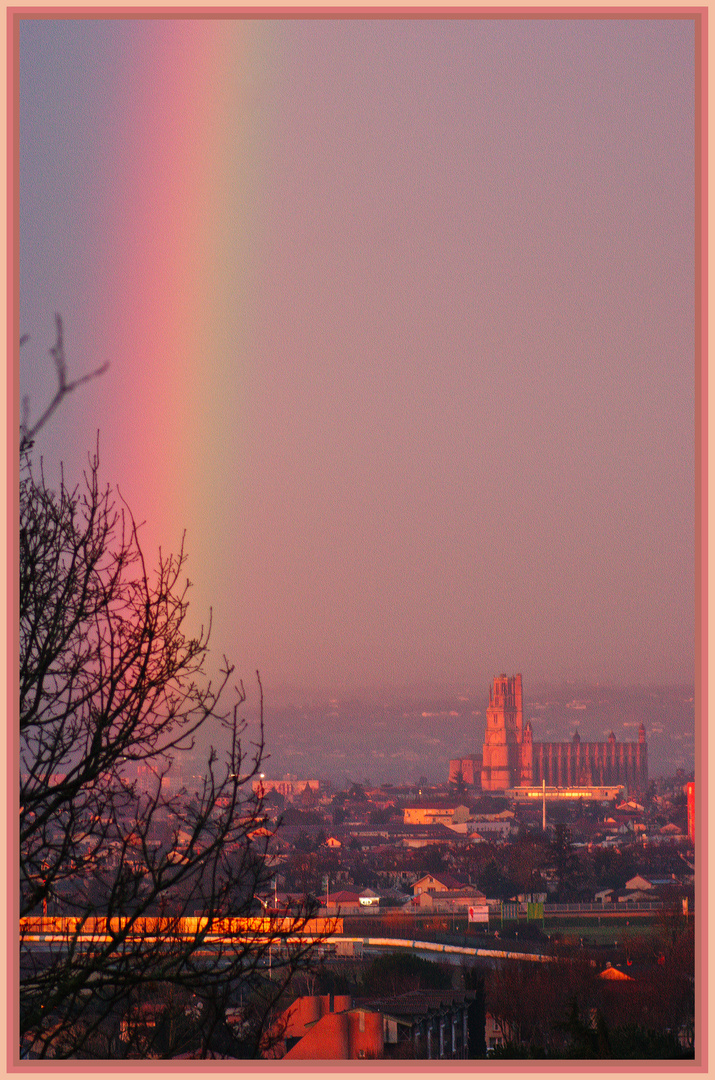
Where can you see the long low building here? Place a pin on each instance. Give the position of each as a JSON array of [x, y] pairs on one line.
[[536, 793]]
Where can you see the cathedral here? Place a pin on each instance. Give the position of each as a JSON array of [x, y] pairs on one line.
[[510, 757]]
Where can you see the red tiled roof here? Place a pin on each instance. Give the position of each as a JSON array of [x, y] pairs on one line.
[[447, 880]]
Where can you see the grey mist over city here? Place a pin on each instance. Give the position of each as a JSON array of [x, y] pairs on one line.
[[387, 737], [399, 319]]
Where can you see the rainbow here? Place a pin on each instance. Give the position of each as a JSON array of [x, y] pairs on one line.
[[174, 302]]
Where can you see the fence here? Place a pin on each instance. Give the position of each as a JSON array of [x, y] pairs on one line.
[[625, 905]]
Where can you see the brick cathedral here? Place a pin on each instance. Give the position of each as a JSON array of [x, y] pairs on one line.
[[511, 758]]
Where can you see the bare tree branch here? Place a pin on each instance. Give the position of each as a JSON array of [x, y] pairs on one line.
[[28, 433]]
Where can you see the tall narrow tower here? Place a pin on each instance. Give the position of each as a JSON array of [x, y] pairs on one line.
[[501, 763]]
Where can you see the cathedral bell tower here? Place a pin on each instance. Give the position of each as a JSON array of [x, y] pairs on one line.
[[501, 764]]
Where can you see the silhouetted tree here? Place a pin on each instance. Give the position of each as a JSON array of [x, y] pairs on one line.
[[431, 858], [531, 1001], [458, 786], [398, 973], [274, 799], [308, 798], [111, 689], [524, 861], [565, 859], [493, 881]]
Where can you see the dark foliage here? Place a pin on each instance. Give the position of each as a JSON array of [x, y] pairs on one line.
[[396, 973]]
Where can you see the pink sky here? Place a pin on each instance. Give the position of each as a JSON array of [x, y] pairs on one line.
[[400, 324]]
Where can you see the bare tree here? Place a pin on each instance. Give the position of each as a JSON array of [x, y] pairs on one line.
[[126, 882]]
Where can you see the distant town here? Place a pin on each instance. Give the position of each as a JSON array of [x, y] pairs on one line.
[[537, 901]]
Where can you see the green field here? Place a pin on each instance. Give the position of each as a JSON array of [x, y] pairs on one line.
[[593, 934]]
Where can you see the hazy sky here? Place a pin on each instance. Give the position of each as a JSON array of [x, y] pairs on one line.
[[400, 323]]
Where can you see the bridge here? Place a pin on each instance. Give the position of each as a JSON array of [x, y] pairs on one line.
[[48, 933], [434, 950]]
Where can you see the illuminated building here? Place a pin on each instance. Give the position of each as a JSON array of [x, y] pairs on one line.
[[511, 758], [554, 794], [690, 789]]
